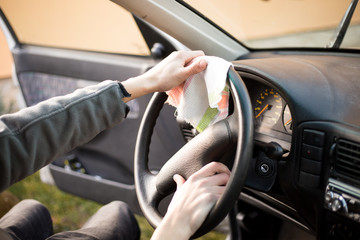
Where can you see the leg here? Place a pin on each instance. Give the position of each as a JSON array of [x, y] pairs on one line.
[[113, 221], [28, 219]]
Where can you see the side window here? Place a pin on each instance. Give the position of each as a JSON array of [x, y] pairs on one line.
[[93, 25], [5, 58]]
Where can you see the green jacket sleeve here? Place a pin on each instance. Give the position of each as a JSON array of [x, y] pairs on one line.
[[35, 136]]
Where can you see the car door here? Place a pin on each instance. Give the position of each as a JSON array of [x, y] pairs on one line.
[[59, 46]]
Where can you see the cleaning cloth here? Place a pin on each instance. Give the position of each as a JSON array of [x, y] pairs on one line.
[[203, 98]]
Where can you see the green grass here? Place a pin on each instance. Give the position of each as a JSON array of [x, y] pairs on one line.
[[9, 108], [68, 212]]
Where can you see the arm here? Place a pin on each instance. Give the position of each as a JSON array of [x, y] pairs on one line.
[[193, 201], [35, 136]]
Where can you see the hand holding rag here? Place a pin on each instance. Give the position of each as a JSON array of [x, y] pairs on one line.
[[204, 97]]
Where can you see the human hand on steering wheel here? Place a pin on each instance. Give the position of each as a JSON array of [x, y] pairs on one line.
[[192, 201]]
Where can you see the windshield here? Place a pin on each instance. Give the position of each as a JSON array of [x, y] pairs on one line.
[[282, 23]]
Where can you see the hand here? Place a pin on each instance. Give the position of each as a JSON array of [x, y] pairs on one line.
[[169, 73], [175, 69], [193, 201]]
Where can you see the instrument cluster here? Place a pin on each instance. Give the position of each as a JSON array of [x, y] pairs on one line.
[[271, 111], [273, 120]]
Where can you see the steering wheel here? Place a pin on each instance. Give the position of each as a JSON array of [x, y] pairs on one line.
[[216, 142]]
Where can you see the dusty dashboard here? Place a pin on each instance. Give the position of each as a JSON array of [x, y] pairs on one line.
[[321, 131]]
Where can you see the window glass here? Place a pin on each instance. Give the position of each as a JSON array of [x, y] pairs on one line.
[[352, 36], [5, 58], [281, 23], [95, 25]]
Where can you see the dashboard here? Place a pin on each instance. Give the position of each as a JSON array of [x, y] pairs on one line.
[[306, 110], [305, 167]]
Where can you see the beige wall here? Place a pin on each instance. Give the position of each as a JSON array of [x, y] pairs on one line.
[[5, 58]]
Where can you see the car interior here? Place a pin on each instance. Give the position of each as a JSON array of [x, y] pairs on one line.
[[292, 139]]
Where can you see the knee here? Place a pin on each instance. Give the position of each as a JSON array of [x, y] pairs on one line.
[[119, 205], [32, 211], [28, 218], [113, 219], [119, 209], [111, 212], [32, 205], [31, 202]]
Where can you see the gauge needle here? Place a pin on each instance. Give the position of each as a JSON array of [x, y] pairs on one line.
[[288, 122], [267, 105]]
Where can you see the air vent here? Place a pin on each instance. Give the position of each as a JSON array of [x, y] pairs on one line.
[[348, 159]]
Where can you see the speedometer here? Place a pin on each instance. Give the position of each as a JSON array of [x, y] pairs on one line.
[[268, 108]]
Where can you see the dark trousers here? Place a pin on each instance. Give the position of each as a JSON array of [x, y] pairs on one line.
[[29, 220]]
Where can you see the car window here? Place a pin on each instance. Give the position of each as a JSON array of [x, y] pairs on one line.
[[94, 25], [281, 23]]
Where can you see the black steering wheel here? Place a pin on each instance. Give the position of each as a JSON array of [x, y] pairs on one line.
[[222, 141]]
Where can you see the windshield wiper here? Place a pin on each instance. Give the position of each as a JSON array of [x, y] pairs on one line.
[[343, 26]]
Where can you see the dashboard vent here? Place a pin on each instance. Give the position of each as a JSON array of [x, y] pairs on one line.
[[348, 159]]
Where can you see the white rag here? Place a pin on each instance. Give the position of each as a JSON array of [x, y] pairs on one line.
[[204, 97]]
